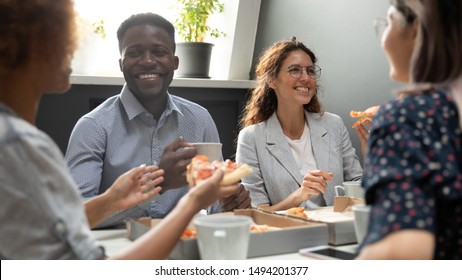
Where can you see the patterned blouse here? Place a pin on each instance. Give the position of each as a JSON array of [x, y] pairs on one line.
[[413, 171]]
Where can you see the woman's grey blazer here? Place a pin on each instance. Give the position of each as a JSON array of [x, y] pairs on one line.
[[276, 175]]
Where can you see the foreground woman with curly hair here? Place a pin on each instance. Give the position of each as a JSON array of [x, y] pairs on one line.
[[42, 215]]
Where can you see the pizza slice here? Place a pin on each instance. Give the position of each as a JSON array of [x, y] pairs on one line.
[[200, 168], [363, 115], [188, 233], [297, 212]]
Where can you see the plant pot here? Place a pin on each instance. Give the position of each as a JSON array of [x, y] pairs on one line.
[[194, 59]]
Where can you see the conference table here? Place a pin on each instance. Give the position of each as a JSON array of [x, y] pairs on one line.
[[115, 240]]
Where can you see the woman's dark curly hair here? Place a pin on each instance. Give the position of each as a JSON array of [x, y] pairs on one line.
[[43, 27]]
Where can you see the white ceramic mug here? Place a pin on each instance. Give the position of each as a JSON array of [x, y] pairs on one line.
[[211, 150], [223, 237], [351, 188], [361, 213]]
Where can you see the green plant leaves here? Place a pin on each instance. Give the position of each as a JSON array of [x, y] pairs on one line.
[[191, 22]]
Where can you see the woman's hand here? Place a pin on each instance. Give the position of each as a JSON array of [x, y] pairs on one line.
[[314, 183], [158, 242], [135, 186], [363, 135], [209, 191], [128, 190]]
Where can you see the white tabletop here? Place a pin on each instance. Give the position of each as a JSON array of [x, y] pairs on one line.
[[115, 240]]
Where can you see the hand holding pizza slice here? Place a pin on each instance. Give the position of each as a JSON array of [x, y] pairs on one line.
[[363, 115], [200, 169]]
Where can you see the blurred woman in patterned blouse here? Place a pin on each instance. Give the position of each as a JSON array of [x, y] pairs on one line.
[[412, 173]]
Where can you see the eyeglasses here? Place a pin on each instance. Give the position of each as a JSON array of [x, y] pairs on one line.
[[380, 24], [313, 71]]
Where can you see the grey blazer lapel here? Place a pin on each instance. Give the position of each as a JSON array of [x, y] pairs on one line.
[[319, 141], [278, 147]]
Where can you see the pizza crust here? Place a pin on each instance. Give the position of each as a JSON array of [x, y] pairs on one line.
[[200, 169], [236, 175]]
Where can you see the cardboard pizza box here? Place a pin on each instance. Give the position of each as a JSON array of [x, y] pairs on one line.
[[294, 234], [339, 219]]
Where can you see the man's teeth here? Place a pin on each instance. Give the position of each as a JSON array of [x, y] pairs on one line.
[[148, 76], [302, 89]]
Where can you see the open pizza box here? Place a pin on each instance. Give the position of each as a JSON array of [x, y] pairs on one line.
[[339, 219], [291, 235], [185, 249], [345, 203]]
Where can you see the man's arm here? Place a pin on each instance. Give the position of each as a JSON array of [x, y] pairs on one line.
[[410, 244], [160, 240], [85, 155]]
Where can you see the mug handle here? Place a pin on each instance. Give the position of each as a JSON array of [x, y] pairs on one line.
[[336, 190]]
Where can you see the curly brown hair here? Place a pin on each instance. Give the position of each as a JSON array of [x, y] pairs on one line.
[[263, 101], [42, 27]]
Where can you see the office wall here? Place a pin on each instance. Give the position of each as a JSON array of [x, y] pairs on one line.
[[341, 33]]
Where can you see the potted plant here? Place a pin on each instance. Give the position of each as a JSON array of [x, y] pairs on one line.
[[192, 26]]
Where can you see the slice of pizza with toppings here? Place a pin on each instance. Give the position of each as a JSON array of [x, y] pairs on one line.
[[297, 212], [200, 169], [363, 115]]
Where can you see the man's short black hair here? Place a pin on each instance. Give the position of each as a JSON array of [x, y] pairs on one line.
[[149, 19]]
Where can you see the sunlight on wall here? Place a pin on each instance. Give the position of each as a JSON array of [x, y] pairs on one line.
[[96, 56], [100, 57], [231, 56]]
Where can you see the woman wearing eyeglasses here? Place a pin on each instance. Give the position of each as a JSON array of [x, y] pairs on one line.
[[298, 152], [398, 45], [413, 170]]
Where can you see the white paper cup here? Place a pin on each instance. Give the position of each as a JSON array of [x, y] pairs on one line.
[[361, 213], [211, 150], [223, 237], [351, 188]]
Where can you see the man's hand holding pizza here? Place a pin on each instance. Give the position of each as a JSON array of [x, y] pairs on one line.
[[174, 160]]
